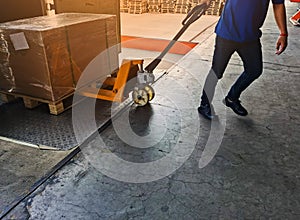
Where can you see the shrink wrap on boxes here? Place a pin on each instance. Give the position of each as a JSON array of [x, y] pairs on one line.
[[111, 7], [43, 57]]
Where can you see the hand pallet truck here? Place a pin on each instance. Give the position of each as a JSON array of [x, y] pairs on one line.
[[117, 87]]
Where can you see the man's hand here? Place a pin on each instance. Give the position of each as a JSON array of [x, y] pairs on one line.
[[281, 44], [280, 17]]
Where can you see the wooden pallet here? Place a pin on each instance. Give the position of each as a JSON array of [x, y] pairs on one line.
[[7, 98], [55, 107]]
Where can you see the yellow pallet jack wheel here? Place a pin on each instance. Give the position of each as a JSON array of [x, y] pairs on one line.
[[141, 95], [150, 92]]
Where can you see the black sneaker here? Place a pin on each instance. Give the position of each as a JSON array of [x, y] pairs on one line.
[[235, 106], [206, 111]]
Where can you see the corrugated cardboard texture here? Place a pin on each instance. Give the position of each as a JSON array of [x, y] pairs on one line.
[[91, 6], [60, 48]]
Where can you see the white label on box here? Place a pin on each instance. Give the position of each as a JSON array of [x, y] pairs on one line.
[[19, 41]]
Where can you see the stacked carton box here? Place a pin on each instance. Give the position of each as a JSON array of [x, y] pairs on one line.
[[215, 7], [172, 6], [195, 2], [91, 6], [124, 6], [11, 10], [182, 6], [44, 57], [137, 6], [168, 6], [154, 6]]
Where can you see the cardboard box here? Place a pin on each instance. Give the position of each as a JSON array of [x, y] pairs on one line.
[[91, 6], [11, 10], [44, 57]]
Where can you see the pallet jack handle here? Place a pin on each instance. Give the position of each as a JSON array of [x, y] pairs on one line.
[[191, 17]]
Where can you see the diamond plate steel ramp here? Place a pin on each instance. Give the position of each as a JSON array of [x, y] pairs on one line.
[[39, 128]]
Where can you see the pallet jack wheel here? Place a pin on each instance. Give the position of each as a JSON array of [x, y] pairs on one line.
[[140, 97], [150, 92]]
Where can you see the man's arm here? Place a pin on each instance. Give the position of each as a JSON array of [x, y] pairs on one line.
[[280, 17]]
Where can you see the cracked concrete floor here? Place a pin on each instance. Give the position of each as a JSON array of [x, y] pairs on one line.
[[28, 166], [253, 175]]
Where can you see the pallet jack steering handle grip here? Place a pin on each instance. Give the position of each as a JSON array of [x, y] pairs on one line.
[[194, 14], [191, 17]]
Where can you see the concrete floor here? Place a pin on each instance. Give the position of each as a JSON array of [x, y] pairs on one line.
[[163, 161], [21, 167], [164, 26]]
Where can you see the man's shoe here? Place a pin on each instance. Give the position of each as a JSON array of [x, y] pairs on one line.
[[206, 111], [235, 106]]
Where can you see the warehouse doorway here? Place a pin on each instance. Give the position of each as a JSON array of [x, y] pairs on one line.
[[162, 19]]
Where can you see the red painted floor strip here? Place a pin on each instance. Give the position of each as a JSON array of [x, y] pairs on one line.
[[150, 44]]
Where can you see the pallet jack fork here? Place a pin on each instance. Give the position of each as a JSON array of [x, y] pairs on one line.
[[118, 85], [114, 86]]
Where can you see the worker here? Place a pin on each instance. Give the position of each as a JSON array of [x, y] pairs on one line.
[[238, 30]]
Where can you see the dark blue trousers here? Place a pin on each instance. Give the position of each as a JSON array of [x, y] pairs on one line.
[[251, 55]]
